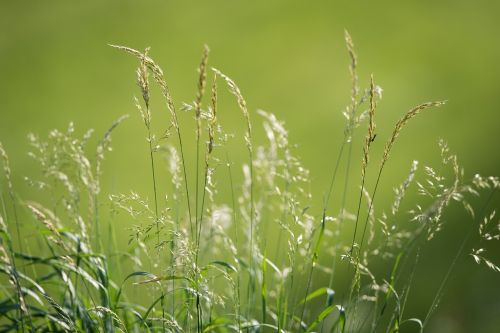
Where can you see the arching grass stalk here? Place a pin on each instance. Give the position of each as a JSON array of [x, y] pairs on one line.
[[143, 83], [235, 90], [160, 80], [399, 126], [388, 147]]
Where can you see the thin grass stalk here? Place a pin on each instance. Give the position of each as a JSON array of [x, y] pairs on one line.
[[252, 212], [173, 245], [342, 209], [323, 221], [366, 156], [264, 288], [370, 137], [211, 133], [439, 293], [444, 281], [314, 261], [96, 222], [344, 197], [212, 122], [157, 221], [172, 263], [348, 138], [197, 106], [179, 137], [403, 256], [334, 175], [292, 280], [236, 239], [409, 284], [143, 82], [160, 80], [348, 132]]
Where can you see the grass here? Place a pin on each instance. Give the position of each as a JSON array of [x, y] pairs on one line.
[[206, 263]]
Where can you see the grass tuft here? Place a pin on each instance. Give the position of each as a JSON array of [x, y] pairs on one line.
[[227, 246]]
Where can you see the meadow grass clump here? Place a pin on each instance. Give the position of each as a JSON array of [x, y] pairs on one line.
[[226, 246]]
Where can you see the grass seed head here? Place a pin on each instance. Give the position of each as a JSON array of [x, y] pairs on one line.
[[202, 80], [370, 137], [143, 78], [402, 122]]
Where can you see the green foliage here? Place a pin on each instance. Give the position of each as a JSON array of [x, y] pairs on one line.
[[202, 263]]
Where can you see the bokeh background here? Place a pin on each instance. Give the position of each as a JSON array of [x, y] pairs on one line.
[[289, 58]]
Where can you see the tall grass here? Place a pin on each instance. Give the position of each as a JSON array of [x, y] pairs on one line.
[[214, 266]]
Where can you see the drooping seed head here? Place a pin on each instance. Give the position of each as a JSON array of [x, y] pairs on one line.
[[402, 122]]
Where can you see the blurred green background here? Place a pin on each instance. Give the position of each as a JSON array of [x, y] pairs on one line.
[[289, 58]]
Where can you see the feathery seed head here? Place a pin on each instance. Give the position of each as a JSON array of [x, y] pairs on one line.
[[235, 90], [143, 78], [370, 137], [158, 77], [202, 79], [402, 122], [212, 123]]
